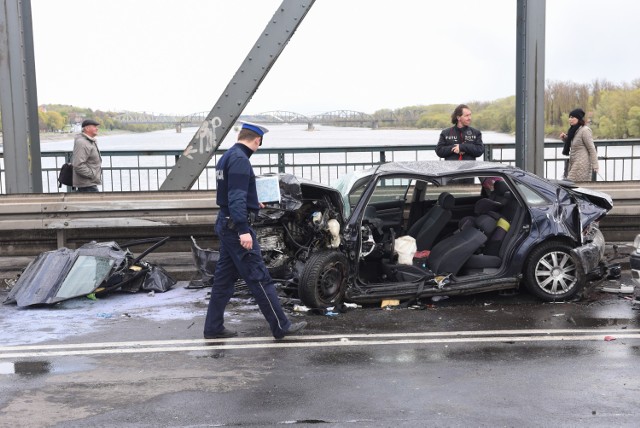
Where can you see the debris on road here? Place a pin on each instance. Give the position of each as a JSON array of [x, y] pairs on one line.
[[300, 308], [92, 270], [389, 303], [623, 289], [205, 260]]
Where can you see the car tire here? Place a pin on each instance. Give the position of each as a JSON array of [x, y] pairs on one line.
[[551, 272], [324, 279]]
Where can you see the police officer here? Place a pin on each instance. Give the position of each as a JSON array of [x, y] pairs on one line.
[[460, 142], [239, 250]]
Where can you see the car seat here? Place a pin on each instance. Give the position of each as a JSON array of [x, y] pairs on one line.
[[482, 206], [503, 195], [490, 258], [490, 254], [429, 226], [448, 255]]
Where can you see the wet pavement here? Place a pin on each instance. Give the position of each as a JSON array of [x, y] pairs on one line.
[[490, 359]]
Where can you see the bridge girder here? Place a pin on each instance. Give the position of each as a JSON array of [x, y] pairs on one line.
[[193, 118], [335, 116], [139, 118], [343, 116], [276, 116]]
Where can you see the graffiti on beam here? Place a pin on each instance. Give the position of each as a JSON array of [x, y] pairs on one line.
[[205, 139]]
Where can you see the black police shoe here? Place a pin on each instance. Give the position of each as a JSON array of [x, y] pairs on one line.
[[295, 328], [225, 333]]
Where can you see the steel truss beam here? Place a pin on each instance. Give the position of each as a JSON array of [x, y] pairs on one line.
[[530, 57], [237, 94], [19, 100]]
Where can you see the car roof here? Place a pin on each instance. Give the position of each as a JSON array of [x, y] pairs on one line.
[[440, 168]]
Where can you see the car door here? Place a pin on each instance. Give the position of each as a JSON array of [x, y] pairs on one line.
[[389, 199]]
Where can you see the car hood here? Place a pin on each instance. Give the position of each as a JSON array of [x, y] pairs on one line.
[[95, 267], [294, 189]]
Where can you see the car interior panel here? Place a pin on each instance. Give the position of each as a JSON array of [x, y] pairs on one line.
[[389, 212], [466, 234]]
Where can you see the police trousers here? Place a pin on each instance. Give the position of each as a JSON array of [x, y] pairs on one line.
[[235, 262]]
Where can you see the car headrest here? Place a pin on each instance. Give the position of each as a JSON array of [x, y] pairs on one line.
[[500, 188], [486, 224], [483, 206], [446, 200], [466, 222]]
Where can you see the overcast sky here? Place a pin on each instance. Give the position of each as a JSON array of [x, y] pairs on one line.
[[177, 56]]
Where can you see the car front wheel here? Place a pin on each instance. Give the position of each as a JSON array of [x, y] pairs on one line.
[[324, 279], [551, 272]]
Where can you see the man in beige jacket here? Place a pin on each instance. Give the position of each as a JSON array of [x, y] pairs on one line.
[[86, 160]]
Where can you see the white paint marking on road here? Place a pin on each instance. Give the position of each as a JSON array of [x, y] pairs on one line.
[[340, 342], [317, 337]]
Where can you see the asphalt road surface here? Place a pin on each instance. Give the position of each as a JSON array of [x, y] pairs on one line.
[[488, 360]]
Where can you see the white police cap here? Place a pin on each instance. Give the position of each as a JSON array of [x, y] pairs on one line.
[[258, 129]]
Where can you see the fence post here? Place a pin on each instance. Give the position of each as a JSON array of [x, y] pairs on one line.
[[488, 153], [67, 159], [281, 162]]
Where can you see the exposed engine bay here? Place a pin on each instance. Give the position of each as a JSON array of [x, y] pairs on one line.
[[305, 220]]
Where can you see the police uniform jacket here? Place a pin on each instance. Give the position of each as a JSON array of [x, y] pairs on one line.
[[87, 162], [470, 140], [236, 187]]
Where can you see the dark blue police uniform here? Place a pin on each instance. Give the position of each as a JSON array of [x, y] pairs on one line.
[[238, 202]]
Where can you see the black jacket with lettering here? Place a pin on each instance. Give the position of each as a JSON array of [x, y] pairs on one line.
[[470, 140]]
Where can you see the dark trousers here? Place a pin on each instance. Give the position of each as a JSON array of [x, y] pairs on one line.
[[87, 189], [235, 261]]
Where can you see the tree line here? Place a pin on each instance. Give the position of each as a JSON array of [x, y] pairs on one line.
[[613, 110], [63, 118]]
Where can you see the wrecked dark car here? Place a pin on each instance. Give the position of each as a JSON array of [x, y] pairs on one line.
[[634, 262], [96, 268], [470, 227]]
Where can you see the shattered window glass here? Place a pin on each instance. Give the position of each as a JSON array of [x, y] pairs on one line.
[[532, 197], [85, 275]]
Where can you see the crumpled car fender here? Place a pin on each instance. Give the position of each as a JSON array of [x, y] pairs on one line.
[[588, 256]]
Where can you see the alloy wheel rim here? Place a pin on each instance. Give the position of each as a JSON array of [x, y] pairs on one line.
[[555, 273]]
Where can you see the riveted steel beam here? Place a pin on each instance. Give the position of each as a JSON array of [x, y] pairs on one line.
[[237, 94], [18, 99], [530, 57]]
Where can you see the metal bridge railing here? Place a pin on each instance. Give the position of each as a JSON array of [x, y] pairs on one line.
[[146, 170]]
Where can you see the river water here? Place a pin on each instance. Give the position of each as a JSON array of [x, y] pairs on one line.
[[293, 136], [283, 136], [279, 136]]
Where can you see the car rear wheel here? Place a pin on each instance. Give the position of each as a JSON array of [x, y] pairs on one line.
[[324, 279], [551, 272]]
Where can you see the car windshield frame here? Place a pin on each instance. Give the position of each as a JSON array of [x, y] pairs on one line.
[[346, 184]]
